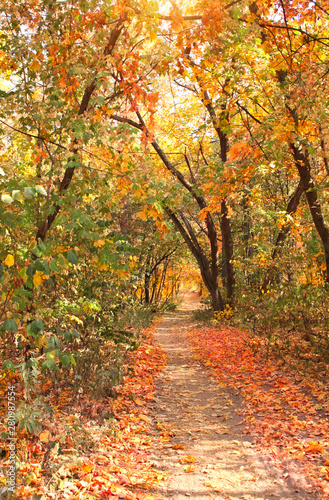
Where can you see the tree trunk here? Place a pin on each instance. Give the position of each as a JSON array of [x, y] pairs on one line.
[[304, 169], [208, 272], [291, 209], [228, 249]]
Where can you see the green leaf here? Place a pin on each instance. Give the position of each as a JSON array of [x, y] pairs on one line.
[[66, 360], [9, 365], [71, 257], [36, 327], [53, 266], [39, 266], [49, 364], [9, 325], [75, 334], [67, 335]]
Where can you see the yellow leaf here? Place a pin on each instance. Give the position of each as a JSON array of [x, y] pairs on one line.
[[188, 460], [153, 36], [165, 438], [35, 65], [41, 341], [44, 436], [75, 318], [108, 111], [189, 468], [37, 278], [9, 260], [142, 215], [87, 468], [99, 243]]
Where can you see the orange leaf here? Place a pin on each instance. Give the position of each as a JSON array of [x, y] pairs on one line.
[[178, 447], [145, 418], [315, 446], [87, 468], [44, 436], [188, 460]]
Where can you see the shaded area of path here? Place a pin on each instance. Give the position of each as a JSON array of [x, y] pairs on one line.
[[202, 446]]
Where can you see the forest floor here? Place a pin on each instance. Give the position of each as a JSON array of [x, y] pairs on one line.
[[201, 413], [216, 440]]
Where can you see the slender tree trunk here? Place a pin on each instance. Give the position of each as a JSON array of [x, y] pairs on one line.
[[209, 273], [291, 209], [282, 236], [304, 169], [147, 287], [228, 249]]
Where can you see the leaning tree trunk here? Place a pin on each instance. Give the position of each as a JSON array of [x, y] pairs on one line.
[[304, 169]]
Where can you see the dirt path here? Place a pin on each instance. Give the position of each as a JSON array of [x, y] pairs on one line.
[[202, 447]]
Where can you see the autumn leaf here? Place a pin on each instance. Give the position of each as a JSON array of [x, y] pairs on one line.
[[9, 260], [37, 278], [87, 468], [178, 447], [188, 460], [145, 418], [44, 436], [315, 446]]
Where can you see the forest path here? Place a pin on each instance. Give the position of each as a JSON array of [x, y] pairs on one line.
[[202, 447]]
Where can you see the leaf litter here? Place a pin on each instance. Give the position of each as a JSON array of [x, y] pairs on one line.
[[254, 430], [90, 449]]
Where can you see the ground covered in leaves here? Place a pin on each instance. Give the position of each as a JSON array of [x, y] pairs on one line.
[[201, 413], [287, 414], [233, 425], [89, 449]]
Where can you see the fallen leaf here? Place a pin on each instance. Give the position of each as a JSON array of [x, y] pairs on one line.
[[188, 460], [87, 468], [315, 446], [178, 447], [44, 436], [145, 418]]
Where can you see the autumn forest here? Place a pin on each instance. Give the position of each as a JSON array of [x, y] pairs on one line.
[[154, 154]]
